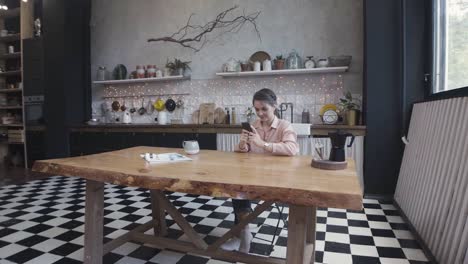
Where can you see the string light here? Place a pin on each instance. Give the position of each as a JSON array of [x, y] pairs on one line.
[[310, 92]]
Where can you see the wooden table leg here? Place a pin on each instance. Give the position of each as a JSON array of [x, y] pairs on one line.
[[311, 225], [158, 212], [299, 250], [94, 211]]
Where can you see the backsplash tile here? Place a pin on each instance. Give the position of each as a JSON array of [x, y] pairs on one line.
[[305, 92]]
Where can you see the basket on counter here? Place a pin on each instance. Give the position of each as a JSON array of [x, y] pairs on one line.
[[339, 61]]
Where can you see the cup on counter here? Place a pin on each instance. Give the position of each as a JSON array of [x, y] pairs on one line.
[[191, 147], [11, 49]]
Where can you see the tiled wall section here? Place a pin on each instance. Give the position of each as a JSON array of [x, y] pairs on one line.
[[305, 92]]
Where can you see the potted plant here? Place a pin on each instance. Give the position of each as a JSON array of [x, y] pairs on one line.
[[249, 113], [179, 67], [351, 107], [279, 62]]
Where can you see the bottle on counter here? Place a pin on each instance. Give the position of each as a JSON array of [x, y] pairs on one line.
[[233, 116], [228, 116], [305, 116]]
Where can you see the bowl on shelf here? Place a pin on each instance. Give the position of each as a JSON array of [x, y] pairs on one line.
[[93, 121], [339, 61]]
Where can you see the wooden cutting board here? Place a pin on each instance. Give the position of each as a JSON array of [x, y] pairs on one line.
[[219, 116], [206, 113]]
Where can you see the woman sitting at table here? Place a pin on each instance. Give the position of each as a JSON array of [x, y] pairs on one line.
[[269, 135]]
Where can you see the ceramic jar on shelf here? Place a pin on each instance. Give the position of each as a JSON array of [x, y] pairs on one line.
[[140, 71], [151, 71]]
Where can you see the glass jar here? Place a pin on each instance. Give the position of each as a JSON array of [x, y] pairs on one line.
[[140, 70], [151, 71], [294, 61], [101, 74]]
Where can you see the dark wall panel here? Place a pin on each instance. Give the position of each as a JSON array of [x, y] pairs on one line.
[[383, 147], [396, 48], [66, 55]]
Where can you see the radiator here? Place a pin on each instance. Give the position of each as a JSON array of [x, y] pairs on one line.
[[432, 188]]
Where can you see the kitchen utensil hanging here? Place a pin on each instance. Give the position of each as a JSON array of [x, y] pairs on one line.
[[115, 106], [159, 104], [149, 107], [123, 107], [170, 105], [133, 109], [180, 103], [142, 109]]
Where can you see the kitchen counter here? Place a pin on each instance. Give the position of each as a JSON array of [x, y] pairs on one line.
[[173, 128], [318, 130], [323, 130]]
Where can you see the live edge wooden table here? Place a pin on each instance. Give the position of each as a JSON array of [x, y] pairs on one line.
[[289, 180]]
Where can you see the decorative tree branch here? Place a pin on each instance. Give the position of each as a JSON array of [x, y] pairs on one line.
[[195, 36]]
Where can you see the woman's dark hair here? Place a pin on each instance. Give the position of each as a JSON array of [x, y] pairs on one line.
[[268, 96]]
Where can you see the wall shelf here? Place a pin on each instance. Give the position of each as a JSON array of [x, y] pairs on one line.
[[143, 80], [11, 107], [11, 125], [10, 73], [283, 72], [10, 55], [15, 90], [10, 38]]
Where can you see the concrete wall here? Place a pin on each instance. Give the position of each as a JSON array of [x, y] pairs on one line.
[[319, 28]]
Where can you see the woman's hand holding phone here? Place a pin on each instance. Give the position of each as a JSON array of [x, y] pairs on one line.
[[244, 139]]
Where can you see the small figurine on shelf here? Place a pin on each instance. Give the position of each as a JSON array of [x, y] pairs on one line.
[[37, 27]]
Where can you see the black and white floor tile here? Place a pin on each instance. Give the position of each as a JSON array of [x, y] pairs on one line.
[[42, 221]]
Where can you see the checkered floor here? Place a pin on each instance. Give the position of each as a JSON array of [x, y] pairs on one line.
[[42, 221]]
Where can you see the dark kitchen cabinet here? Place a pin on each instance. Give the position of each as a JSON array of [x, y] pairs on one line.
[[35, 145], [139, 139], [85, 143], [174, 140]]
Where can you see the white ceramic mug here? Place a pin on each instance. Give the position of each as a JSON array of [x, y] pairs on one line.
[[191, 147]]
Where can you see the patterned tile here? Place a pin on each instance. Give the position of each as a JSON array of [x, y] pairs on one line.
[[42, 222]]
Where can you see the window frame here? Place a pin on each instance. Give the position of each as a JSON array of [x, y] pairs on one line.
[[437, 61]]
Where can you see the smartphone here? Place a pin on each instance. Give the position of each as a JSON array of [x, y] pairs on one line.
[[246, 126]]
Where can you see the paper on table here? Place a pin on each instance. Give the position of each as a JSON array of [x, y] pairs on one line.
[[164, 157]]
